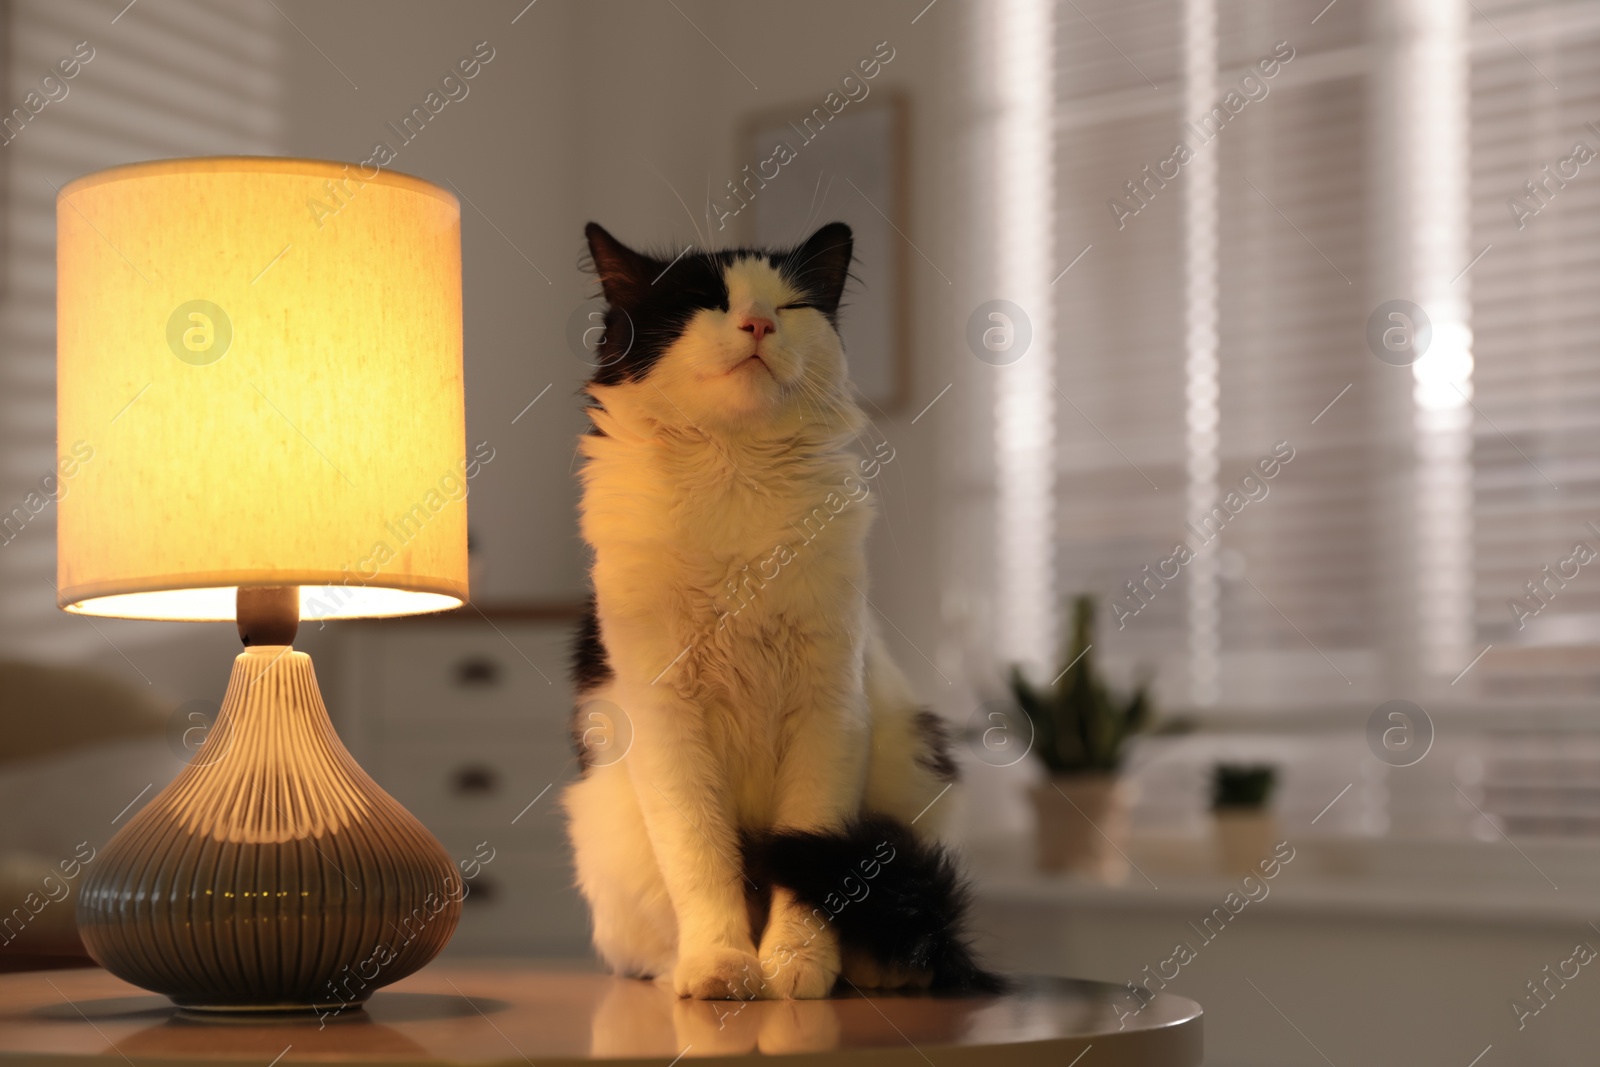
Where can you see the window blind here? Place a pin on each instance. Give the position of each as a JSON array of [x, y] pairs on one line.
[[1330, 584], [1293, 564], [1536, 316], [135, 99]]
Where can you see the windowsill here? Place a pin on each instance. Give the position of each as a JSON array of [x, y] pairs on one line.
[[1495, 716], [1432, 881]]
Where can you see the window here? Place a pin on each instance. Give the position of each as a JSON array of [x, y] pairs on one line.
[[1536, 320], [1358, 529]]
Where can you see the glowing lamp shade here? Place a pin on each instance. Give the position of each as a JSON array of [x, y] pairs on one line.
[[262, 359]]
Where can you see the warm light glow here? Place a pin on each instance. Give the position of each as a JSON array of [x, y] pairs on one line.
[[262, 359], [216, 603]]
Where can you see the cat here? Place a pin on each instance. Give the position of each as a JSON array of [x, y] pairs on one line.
[[760, 789]]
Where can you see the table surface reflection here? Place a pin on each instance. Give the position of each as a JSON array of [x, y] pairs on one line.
[[517, 1013]]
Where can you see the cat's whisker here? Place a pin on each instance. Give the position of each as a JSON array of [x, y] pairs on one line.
[[811, 212], [816, 402], [808, 390], [692, 221], [709, 242]]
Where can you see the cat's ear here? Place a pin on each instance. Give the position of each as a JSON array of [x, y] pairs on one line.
[[623, 272], [822, 265]]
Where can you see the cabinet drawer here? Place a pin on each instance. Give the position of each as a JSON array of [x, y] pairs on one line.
[[465, 672], [467, 725], [522, 904], [472, 781]]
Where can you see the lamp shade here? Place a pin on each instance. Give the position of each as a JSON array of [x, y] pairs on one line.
[[259, 384]]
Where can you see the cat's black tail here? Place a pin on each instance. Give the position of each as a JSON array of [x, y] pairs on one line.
[[899, 900]]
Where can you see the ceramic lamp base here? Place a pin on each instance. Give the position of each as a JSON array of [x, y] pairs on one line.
[[273, 874]]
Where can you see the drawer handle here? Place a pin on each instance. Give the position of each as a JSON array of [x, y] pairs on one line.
[[475, 780], [476, 671]]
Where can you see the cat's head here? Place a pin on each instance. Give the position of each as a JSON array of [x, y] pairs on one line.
[[733, 341]]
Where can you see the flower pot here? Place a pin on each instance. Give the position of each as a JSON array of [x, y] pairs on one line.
[[1243, 838], [1083, 823]]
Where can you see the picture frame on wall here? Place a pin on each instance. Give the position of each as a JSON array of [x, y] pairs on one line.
[[849, 168]]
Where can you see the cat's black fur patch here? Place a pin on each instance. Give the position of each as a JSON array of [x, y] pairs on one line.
[[590, 668], [651, 297], [934, 754], [900, 900]]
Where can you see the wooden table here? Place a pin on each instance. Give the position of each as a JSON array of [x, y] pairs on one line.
[[517, 1014]]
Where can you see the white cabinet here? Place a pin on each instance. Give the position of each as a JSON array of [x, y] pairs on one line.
[[465, 721]]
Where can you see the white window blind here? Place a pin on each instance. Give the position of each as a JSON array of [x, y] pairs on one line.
[[1420, 501], [1292, 566], [167, 78], [1536, 312]]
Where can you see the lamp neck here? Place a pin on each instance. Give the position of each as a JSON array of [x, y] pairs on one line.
[[268, 615]]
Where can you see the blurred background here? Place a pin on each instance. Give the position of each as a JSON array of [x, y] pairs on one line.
[[1261, 325]]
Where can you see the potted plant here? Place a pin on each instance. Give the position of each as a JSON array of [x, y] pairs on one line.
[[1242, 823], [1081, 728]]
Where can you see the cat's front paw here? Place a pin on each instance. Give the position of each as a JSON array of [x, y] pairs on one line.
[[718, 974], [801, 979], [805, 973]]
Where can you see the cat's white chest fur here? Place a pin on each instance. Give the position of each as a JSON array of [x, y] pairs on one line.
[[725, 544]]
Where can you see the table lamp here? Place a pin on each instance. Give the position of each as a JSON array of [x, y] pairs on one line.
[[265, 355]]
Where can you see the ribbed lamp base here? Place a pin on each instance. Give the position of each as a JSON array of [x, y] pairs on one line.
[[273, 874]]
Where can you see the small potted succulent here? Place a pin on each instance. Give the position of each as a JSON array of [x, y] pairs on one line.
[[1081, 730], [1243, 826]]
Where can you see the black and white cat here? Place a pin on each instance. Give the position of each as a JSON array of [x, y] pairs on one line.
[[756, 839]]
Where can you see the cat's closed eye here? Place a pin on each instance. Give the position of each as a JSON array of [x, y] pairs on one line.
[[795, 307]]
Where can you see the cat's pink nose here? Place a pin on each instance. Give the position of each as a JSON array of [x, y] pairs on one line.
[[757, 325]]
